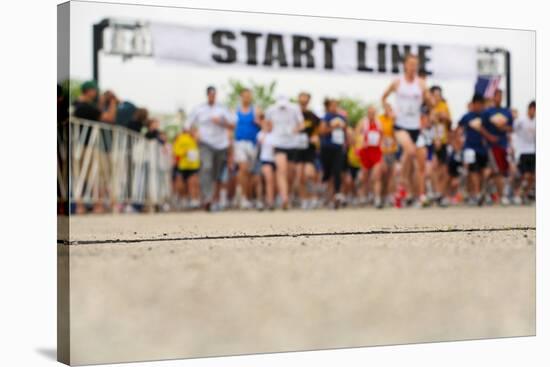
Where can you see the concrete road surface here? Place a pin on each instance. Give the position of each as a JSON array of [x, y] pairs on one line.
[[165, 286]]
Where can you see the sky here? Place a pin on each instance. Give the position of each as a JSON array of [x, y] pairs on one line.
[[164, 88]]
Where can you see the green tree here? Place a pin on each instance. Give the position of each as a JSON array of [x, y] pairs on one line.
[[71, 88], [355, 108], [264, 94]]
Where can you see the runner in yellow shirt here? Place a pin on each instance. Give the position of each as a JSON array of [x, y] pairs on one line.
[[186, 153], [441, 119], [352, 169]]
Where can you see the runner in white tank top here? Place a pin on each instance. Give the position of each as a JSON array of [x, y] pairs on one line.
[[408, 102], [411, 92]]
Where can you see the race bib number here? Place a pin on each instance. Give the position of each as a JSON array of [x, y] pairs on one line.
[[440, 131], [421, 141], [469, 156], [475, 123], [373, 138], [338, 136], [192, 155], [498, 119]]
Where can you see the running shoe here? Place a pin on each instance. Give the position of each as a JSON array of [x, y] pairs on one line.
[[517, 200], [424, 201], [245, 204], [504, 201]]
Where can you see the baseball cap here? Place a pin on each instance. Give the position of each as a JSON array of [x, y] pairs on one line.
[[90, 84]]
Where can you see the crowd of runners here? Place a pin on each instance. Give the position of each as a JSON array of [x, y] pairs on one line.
[[407, 153]]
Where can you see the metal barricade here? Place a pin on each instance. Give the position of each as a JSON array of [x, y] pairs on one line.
[[111, 165]]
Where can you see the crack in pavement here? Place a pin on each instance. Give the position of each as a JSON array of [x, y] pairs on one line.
[[293, 235]]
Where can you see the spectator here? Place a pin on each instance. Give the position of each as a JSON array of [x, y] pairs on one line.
[[85, 106], [153, 131], [139, 120]]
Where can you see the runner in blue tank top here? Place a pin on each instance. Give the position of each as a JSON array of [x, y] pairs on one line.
[[246, 131]]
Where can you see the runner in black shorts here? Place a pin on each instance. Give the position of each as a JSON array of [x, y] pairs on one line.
[[186, 173], [308, 141], [291, 154], [479, 163], [454, 164], [286, 120], [413, 133], [527, 163]]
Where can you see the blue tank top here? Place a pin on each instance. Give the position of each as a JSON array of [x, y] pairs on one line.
[[246, 128]]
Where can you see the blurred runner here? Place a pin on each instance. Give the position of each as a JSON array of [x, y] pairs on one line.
[[441, 118], [213, 121], [186, 152], [498, 121], [475, 154], [525, 150], [286, 119], [370, 153], [333, 139], [410, 93], [266, 141], [389, 153], [308, 142], [246, 130]]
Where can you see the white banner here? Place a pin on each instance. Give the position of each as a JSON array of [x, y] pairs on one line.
[[301, 51]]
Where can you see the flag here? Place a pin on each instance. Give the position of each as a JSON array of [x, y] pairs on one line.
[[487, 85]]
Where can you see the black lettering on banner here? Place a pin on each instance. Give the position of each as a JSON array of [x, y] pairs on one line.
[[398, 57], [362, 57], [275, 50], [381, 57], [302, 46], [251, 47], [230, 52], [424, 58], [329, 57]]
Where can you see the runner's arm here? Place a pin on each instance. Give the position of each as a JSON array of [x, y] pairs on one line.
[[324, 128], [392, 88], [227, 121], [487, 135]]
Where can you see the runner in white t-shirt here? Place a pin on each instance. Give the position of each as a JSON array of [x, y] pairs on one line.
[[213, 121], [410, 93], [286, 119], [266, 141], [524, 139]]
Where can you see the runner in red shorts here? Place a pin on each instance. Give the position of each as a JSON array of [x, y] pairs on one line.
[[498, 121], [370, 154]]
